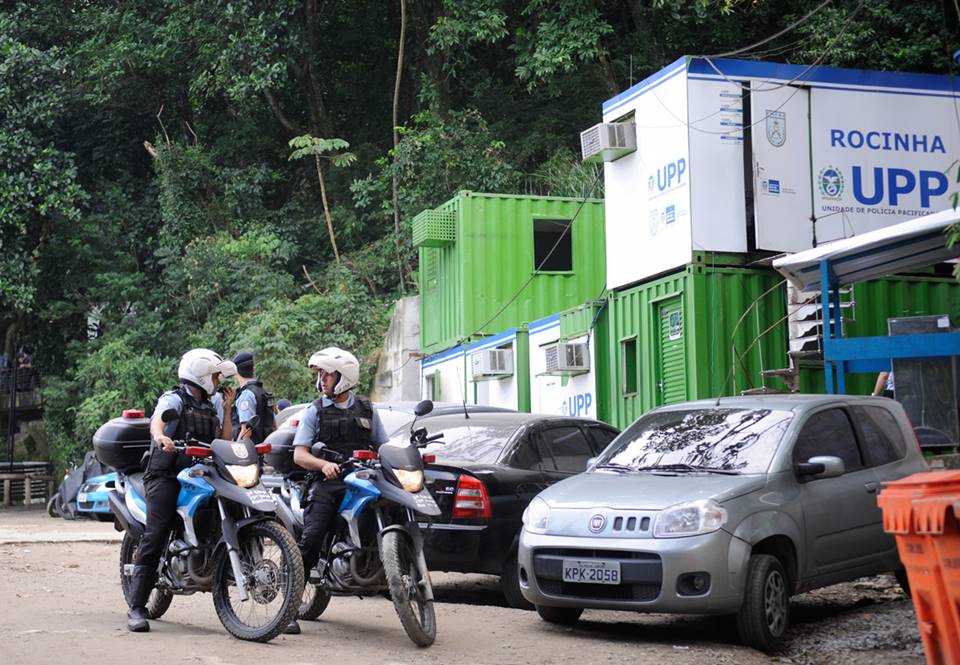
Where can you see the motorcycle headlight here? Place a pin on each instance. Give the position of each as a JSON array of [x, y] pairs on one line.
[[244, 475], [411, 481], [536, 516], [689, 519]]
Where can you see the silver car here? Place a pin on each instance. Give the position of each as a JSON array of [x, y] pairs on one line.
[[725, 506]]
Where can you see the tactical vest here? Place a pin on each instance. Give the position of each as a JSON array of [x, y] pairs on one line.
[[345, 430], [264, 411], [197, 418]]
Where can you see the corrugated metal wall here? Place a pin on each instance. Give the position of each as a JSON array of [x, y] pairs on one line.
[[493, 258], [878, 300], [712, 339]]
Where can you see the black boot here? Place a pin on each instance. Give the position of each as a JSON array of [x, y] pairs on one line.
[[293, 628], [141, 584]]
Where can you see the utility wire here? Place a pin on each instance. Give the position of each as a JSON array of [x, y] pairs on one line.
[[763, 41], [546, 258]]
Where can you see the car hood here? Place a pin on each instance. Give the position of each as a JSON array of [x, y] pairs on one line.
[[646, 491]]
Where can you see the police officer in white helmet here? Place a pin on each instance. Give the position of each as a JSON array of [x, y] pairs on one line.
[[203, 414], [343, 422]]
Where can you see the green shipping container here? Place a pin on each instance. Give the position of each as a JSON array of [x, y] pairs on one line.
[[482, 281], [875, 302], [690, 335]]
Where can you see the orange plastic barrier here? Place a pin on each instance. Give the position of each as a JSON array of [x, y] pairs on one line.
[[915, 511]]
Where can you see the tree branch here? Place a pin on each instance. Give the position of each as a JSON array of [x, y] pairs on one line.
[[278, 113]]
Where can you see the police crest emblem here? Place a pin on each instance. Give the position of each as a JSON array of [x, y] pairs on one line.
[[776, 128], [240, 450]]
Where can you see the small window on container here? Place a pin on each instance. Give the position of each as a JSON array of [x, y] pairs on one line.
[[628, 366], [553, 245]]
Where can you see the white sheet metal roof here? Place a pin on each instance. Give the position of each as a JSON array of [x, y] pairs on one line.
[[916, 243]]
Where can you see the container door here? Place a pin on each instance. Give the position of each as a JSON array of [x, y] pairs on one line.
[[671, 356]]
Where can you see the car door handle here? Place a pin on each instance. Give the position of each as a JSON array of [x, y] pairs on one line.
[[871, 487]]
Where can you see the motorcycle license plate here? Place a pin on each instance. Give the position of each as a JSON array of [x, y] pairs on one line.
[[82, 497], [591, 571]]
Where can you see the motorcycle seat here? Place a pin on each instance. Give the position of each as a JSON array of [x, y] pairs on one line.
[[136, 481]]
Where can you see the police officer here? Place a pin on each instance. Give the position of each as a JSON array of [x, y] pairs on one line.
[[203, 414], [343, 422], [252, 400]]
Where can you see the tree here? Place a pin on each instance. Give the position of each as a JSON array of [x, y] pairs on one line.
[[307, 145]]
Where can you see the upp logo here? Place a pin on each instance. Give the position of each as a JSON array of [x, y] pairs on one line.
[[831, 182], [667, 177]]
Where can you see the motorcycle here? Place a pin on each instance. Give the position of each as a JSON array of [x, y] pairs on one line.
[[227, 542], [375, 545]]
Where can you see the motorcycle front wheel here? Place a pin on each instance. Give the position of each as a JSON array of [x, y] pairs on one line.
[[273, 573], [408, 588]]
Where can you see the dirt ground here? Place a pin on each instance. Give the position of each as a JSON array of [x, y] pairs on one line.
[[62, 600]]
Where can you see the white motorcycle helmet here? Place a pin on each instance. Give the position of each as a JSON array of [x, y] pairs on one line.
[[197, 366], [332, 359]]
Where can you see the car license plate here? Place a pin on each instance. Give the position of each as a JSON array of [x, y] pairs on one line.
[[591, 571], [82, 497]]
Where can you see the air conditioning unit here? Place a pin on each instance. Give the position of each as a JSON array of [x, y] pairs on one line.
[[567, 357], [608, 141], [491, 362]]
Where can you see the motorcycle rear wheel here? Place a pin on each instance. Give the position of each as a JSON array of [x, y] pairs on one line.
[[273, 571], [313, 602], [160, 599], [408, 586]]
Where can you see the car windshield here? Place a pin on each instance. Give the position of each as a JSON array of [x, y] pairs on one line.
[[740, 440], [471, 443]]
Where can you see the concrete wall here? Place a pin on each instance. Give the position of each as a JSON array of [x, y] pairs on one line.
[[398, 372]]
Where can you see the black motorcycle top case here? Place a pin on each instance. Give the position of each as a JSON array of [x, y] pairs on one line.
[[121, 442], [280, 456]]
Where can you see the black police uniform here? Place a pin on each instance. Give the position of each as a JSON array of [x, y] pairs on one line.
[[198, 419], [265, 406], [342, 431]]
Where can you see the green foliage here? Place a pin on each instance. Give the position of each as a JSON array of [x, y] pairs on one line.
[[115, 259], [311, 146]]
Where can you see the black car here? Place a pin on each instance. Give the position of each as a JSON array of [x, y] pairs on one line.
[[487, 469]]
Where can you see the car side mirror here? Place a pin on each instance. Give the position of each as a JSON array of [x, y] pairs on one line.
[[822, 466], [423, 408]]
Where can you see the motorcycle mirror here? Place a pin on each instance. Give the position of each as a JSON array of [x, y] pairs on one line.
[[169, 415], [423, 408], [253, 422], [317, 448]]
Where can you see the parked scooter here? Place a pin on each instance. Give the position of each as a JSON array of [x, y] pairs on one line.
[[228, 541], [375, 544]]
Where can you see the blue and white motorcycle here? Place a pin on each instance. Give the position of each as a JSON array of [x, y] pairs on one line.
[[228, 541], [375, 545]]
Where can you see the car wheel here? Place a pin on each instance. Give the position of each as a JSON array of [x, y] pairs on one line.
[[510, 585], [563, 615], [903, 580], [765, 614]]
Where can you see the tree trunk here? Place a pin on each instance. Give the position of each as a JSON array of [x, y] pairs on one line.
[[396, 140], [326, 209]]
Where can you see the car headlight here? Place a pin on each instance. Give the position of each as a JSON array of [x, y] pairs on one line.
[[689, 519], [536, 516], [411, 481], [245, 475]]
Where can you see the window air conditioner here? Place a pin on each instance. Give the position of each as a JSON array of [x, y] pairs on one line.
[[570, 357], [492, 362], [608, 141]]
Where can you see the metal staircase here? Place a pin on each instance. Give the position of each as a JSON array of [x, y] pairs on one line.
[[805, 336]]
